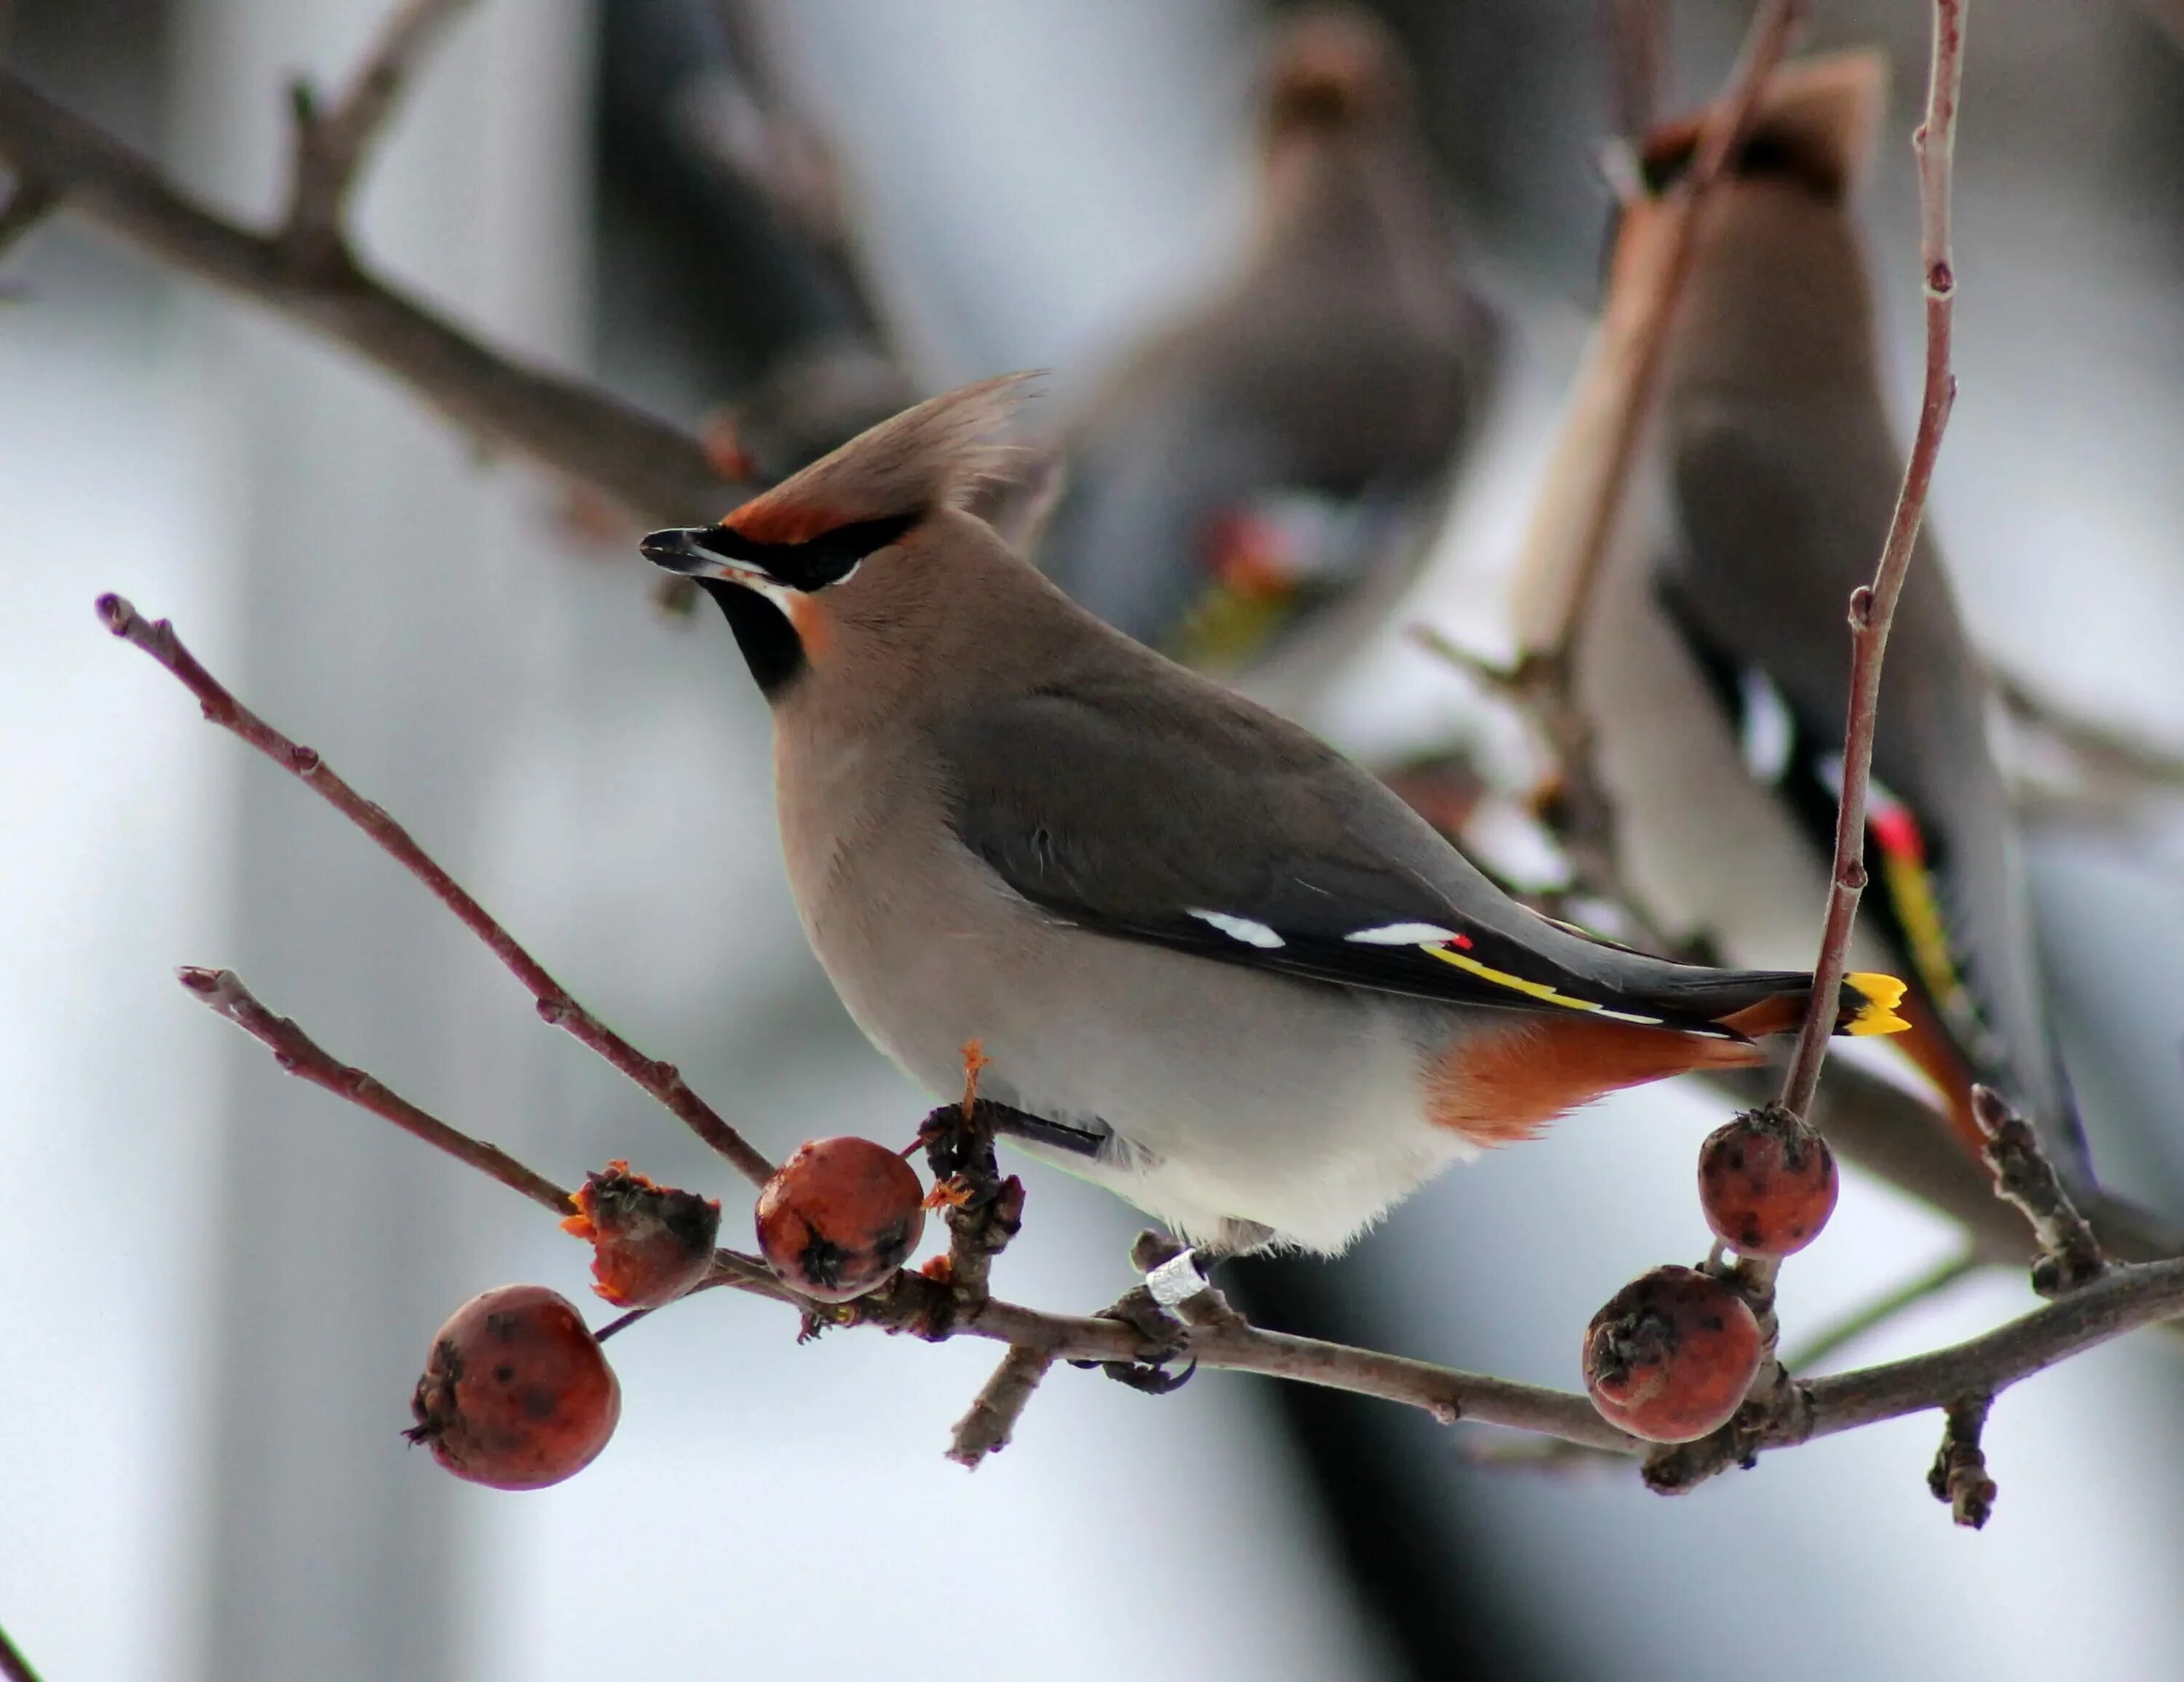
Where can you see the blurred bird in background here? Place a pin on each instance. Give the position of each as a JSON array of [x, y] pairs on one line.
[[1708, 652], [1269, 454]]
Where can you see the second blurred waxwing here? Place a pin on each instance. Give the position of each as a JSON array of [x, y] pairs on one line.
[[1711, 655], [1261, 457]]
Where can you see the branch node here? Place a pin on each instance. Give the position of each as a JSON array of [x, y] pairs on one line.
[[330, 142], [990, 1424], [1959, 1475], [2070, 1255], [984, 1210]]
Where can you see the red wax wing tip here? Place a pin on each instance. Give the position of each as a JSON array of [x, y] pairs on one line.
[[1250, 557], [1462, 942], [1897, 832]]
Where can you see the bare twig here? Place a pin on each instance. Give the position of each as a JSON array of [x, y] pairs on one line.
[[2070, 1255], [1772, 1409], [222, 991], [555, 1005], [1873, 607], [984, 1210], [330, 144], [646, 465], [1589, 478], [1880, 1311], [2110, 768], [986, 1428], [1958, 1476], [12, 1665], [1570, 530]]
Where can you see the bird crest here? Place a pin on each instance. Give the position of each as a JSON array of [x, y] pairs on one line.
[[936, 455], [1816, 121]]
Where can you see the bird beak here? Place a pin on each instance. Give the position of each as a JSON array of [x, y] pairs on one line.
[[683, 549]]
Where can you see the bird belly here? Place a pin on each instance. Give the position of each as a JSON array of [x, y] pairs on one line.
[[1234, 1099]]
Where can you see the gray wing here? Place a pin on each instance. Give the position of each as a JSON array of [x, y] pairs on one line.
[[1219, 830], [1773, 541]]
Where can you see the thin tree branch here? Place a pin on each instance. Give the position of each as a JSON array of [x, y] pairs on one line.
[[12, 1665], [2070, 1255], [2121, 1301], [556, 1003], [992, 1421], [1959, 1477], [1873, 607], [2110, 768], [1775, 1403], [222, 992], [1589, 476], [331, 144], [654, 470], [1571, 529]]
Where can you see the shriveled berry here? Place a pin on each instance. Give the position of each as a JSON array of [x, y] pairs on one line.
[[1767, 1182], [839, 1217], [516, 1393], [1671, 1355], [650, 1243]]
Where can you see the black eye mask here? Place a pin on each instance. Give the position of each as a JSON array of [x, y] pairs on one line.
[[814, 563]]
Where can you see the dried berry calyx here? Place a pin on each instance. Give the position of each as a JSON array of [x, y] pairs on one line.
[[516, 1393], [650, 1242], [1672, 1356], [1767, 1182], [839, 1217]]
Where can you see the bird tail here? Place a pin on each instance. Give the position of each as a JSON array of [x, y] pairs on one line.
[[1868, 1006], [931, 456]]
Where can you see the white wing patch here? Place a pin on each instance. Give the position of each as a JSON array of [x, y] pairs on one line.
[[1769, 730], [1402, 934], [1246, 929]]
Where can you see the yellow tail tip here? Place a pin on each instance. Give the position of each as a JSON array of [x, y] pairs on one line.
[[1877, 996]]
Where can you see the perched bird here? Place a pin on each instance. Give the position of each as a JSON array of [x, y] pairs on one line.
[[1261, 458], [1232, 976], [1710, 654]]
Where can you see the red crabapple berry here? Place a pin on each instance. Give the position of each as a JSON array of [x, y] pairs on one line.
[[517, 1393], [839, 1217], [1767, 1182], [650, 1243], [1671, 1355]]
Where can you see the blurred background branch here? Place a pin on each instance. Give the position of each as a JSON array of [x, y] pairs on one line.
[[569, 426]]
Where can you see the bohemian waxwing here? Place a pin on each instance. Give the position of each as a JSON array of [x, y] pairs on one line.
[[1239, 981], [1710, 654], [1265, 455]]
